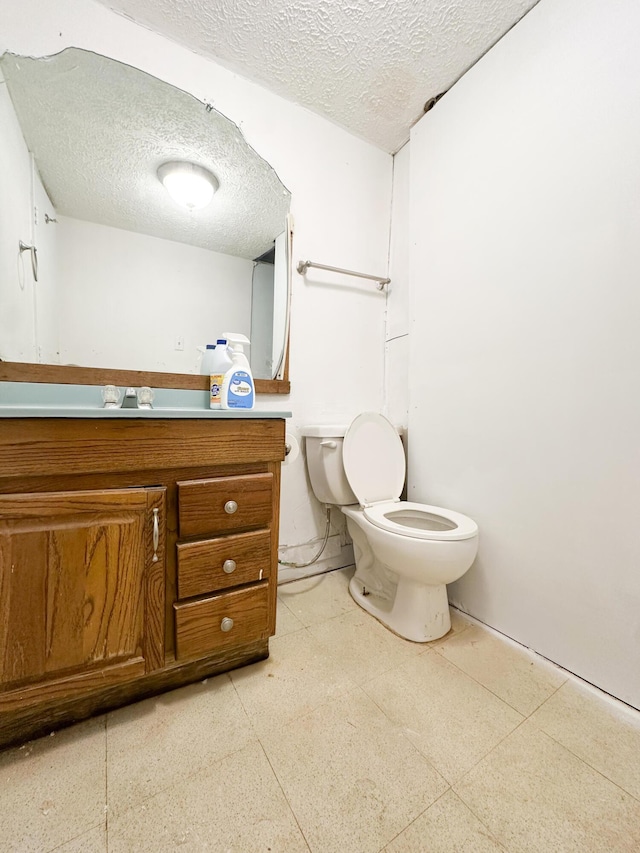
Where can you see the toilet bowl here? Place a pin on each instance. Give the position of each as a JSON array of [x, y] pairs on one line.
[[405, 552]]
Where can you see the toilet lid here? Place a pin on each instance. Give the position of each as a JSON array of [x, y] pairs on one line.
[[373, 458]]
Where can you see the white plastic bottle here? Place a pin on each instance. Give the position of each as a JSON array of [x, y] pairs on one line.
[[219, 364], [238, 389], [208, 355]]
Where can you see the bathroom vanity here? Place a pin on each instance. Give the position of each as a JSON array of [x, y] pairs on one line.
[[137, 554], [138, 549]]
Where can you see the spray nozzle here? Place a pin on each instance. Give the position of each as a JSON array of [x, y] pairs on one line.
[[236, 341]]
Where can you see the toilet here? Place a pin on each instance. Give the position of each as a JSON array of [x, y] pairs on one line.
[[405, 552]]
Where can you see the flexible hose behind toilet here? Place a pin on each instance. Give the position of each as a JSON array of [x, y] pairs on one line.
[[317, 556]]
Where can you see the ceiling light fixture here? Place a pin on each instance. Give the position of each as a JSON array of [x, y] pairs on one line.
[[190, 185]]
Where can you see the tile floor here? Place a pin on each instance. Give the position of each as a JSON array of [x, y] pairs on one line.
[[347, 739]]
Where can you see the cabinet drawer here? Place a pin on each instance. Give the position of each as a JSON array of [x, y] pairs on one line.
[[225, 504], [200, 625], [212, 564]]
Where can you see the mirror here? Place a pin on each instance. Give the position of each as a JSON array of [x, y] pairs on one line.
[[126, 278]]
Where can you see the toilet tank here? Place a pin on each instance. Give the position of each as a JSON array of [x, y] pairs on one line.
[[324, 463]]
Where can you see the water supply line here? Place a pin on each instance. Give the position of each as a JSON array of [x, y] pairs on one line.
[[317, 556]]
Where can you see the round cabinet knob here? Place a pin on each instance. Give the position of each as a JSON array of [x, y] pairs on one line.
[[230, 507], [229, 566], [226, 624]]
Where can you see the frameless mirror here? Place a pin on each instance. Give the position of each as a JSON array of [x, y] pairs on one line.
[[126, 278]]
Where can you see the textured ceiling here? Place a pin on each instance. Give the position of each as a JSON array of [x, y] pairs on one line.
[[368, 65], [99, 129]]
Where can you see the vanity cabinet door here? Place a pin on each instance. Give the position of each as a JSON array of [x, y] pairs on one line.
[[81, 590]]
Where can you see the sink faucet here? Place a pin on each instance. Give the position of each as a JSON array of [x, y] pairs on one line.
[[140, 399], [130, 399]]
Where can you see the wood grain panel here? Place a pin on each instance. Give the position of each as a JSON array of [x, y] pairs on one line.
[[50, 446], [72, 581], [155, 591], [198, 623], [201, 504], [200, 564], [274, 468], [67, 687], [78, 481], [62, 374], [21, 720], [22, 628]]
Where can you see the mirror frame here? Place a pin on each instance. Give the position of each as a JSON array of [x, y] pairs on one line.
[[61, 374]]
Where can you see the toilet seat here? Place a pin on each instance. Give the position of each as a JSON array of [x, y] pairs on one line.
[[421, 521], [375, 465]]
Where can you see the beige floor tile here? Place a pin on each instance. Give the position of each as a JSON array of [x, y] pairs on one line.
[[511, 673], [94, 841], [360, 774], [362, 646], [351, 777], [459, 623], [155, 743], [235, 805], [297, 677], [53, 789], [446, 827], [534, 795], [286, 621], [449, 717], [605, 737], [319, 598]]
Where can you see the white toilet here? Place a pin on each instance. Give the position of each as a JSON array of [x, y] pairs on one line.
[[406, 553]]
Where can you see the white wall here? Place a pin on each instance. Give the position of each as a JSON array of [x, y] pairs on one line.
[[525, 349], [46, 294], [397, 329], [170, 290], [16, 278], [341, 192], [28, 315], [261, 335]]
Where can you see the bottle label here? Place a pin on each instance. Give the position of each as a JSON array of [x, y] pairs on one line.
[[240, 393], [215, 387]]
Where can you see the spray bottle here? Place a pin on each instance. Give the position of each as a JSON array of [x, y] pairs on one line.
[[238, 390]]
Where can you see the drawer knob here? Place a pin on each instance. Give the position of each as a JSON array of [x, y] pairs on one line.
[[226, 624], [230, 507], [229, 566]]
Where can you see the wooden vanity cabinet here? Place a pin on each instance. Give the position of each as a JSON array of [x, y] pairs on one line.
[[135, 556]]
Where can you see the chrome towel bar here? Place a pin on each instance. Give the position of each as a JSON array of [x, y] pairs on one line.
[[303, 266]]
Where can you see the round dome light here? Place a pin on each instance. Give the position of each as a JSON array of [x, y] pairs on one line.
[[190, 185]]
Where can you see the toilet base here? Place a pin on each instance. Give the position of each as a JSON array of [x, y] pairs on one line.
[[419, 613]]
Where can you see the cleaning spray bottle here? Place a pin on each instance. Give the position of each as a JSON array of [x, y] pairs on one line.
[[219, 363], [238, 390]]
